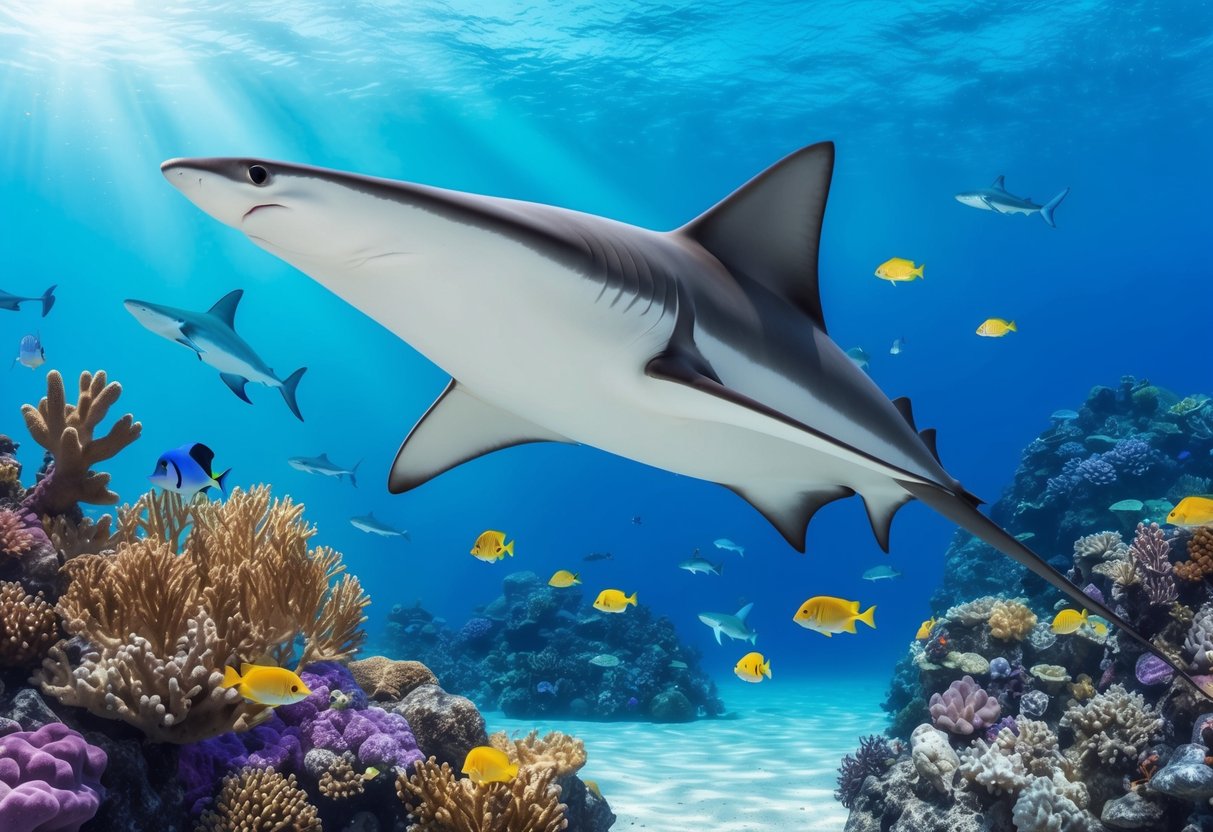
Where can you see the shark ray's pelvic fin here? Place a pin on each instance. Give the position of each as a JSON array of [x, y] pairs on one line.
[[457, 428], [768, 230], [225, 308], [881, 509], [961, 511], [236, 384]]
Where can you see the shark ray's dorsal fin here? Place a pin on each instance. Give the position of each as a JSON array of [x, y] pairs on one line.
[[999, 184], [225, 308], [457, 428], [881, 508], [927, 435], [324, 457], [902, 403], [790, 513], [769, 229]]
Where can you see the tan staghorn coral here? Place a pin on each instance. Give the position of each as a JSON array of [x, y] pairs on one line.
[[974, 612], [260, 800], [1011, 621], [28, 626], [560, 752], [439, 802], [69, 433], [340, 781], [15, 536], [1036, 745], [72, 538], [165, 623], [1111, 729], [386, 679]]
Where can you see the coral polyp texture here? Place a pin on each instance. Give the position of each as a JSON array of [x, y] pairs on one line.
[[1062, 730], [258, 799], [28, 626], [437, 801], [50, 779]]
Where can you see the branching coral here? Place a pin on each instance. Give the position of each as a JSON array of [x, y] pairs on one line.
[[438, 802], [260, 800], [997, 770], [560, 752], [1151, 552], [1111, 729], [871, 759], [1036, 745], [1199, 564], [964, 707], [72, 538], [973, 612], [386, 679], [15, 537], [68, 432], [164, 624], [340, 781], [1011, 621], [28, 626]]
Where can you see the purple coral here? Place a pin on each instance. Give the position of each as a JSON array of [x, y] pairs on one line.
[[964, 707], [1069, 450], [1132, 456], [871, 759], [50, 780], [1151, 670], [475, 630], [1093, 592], [1097, 471], [1151, 551]]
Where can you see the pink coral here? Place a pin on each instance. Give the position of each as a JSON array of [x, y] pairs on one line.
[[16, 539], [964, 707]]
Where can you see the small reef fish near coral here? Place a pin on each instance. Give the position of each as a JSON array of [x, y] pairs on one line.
[[614, 600], [30, 353], [827, 615], [188, 470], [266, 685], [563, 578], [752, 667], [490, 547], [485, 764], [1192, 512], [899, 270]]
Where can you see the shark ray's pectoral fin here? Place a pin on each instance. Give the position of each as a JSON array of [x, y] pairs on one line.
[[236, 384], [790, 511], [457, 428], [769, 229], [185, 341], [717, 631]]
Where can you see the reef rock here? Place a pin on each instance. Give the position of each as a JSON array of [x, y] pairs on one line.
[[934, 758], [1186, 775], [446, 726]]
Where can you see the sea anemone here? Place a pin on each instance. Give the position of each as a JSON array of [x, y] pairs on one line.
[[871, 759]]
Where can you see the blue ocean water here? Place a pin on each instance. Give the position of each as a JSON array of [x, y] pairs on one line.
[[648, 114]]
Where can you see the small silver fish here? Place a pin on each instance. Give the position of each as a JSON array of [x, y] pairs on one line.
[[859, 356], [899, 344], [30, 353], [605, 660]]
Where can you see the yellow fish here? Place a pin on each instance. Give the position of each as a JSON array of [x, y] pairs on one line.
[[485, 764], [265, 684], [592, 785], [491, 547], [1069, 621], [564, 578], [612, 600], [1192, 511], [1100, 628], [924, 629], [752, 667], [899, 270], [371, 773], [996, 328], [827, 615]]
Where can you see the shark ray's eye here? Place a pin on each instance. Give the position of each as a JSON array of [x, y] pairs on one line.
[[258, 175]]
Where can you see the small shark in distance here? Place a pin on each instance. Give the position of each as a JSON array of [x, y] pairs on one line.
[[996, 198], [733, 626], [12, 303], [699, 565], [702, 350], [325, 467], [371, 524], [212, 335]]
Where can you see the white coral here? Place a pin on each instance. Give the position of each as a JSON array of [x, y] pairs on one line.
[[988, 766], [934, 758], [1048, 805]]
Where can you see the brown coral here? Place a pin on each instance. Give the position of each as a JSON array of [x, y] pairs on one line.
[[555, 750], [386, 679], [15, 536], [1011, 621], [260, 800], [28, 626], [165, 624], [68, 432], [72, 538], [340, 781], [1199, 564], [439, 802]]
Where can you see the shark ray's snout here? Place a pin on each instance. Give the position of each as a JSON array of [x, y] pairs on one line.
[[227, 189]]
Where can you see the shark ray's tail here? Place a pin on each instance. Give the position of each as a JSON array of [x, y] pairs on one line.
[[289, 385], [964, 514], [48, 299], [1046, 211]]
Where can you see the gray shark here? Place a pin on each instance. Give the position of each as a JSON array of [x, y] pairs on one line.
[[13, 302], [698, 565], [733, 626], [703, 350], [996, 198], [371, 524], [212, 335], [325, 467]]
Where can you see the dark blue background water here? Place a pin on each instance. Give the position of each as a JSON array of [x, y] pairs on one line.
[[648, 114]]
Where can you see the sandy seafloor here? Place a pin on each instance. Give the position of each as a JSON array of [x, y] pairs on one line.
[[773, 767]]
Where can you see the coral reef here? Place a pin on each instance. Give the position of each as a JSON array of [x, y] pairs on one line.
[[871, 759], [384, 679], [533, 634], [439, 802], [257, 799], [50, 779], [28, 626], [963, 708]]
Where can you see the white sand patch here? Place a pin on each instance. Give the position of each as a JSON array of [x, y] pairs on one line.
[[772, 768]]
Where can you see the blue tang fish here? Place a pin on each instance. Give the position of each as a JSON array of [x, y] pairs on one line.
[[30, 353], [188, 470]]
